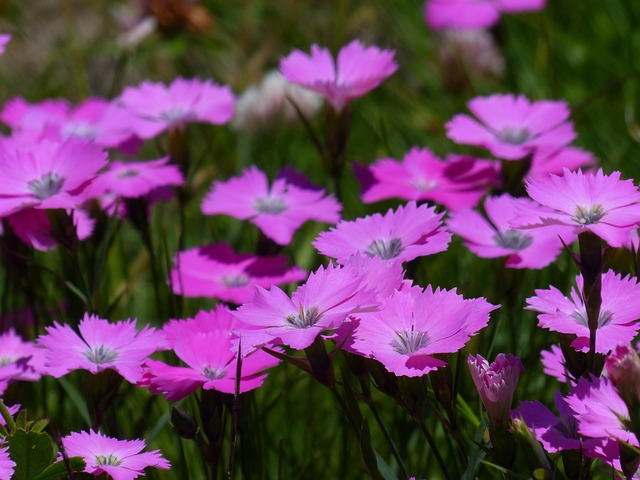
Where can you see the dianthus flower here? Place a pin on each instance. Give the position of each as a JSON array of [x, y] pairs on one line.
[[6, 464], [278, 210], [358, 70], [158, 108], [602, 204], [19, 360], [120, 459], [473, 14], [412, 326], [553, 364], [216, 271], [321, 304], [4, 39], [555, 161], [100, 345], [494, 237], [619, 313], [404, 234], [456, 183], [46, 175], [512, 127]]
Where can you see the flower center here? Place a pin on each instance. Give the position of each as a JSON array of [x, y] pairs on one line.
[[80, 130], [305, 319], [4, 361], [100, 355], [409, 342], [270, 205], [47, 186], [513, 240], [173, 114], [514, 136], [128, 173], [385, 249], [235, 280], [423, 184], [604, 318], [110, 460], [589, 216], [213, 373]]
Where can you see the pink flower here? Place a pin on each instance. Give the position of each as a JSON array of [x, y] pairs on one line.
[[136, 179], [321, 304], [278, 210], [512, 127], [600, 411], [494, 237], [99, 346], [19, 360], [602, 204], [6, 464], [456, 183], [555, 161], [46, 175], [4, 39], [358, 70], [120, 459], [471, 14], [618, 321], [496, 384], [555, 433], [204, 321], [404, 234], [158, 107], [411, 327], [553, 364], [216, 271]]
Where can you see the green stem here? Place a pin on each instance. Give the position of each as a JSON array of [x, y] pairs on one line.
[[4, 411], [434, 448]]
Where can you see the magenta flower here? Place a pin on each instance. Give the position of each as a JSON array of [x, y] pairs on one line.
[[602, 204], [204, 321], [496, 384], [321, 304], [494, 237], [553, 364], [600, 411], [404, 234], [46, 175], [6, 464], [32, 226], [473, 14], [100, 345], [413, 326], [555, 433], [136, 179], [158, 108], [512, 127], [120, 459], [618, 321], [4, 39], [216, 271], [277, 210], [19, 360], [458, 182], [358, 70], [555, 161]]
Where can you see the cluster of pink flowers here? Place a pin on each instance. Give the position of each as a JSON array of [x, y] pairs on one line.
[[473, 14]]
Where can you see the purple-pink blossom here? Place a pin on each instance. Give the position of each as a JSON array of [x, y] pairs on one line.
[[413, 326], [512, 127], [602, 204], [120, 459], [157, 107], [358, 70], [619, 313], [494, 237], [402, 234], [19, 360], [554, 161], [473, 14], [100, 345], [4, 39], [458, 182], [278, 210], [216, 271], [6, 464], [496, 384]]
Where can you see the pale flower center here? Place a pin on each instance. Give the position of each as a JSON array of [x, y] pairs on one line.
[[100, 354], [80, 130], [47, 186], [212, 373], [406, 343], [513, 240], [270, 205], [603, 318], [110, 460], [514, 136], [4, 361], [423, 184], [305, 319], [589, 216], [385, 249], [128, 174], [173, 114], [234, 280]]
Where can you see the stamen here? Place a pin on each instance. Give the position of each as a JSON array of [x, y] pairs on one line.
[[589, 216], [385, 249], [100, 355], [110, 460], [409, 342], [514, 136], [270, 205], [235, 280], [513, 240], [305, 319], [213, 373], [47, 186]]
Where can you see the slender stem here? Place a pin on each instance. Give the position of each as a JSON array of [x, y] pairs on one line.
[[4, 411], [591, 269], [387, 436], [434, 448]]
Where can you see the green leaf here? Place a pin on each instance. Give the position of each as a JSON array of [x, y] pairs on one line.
[[368, 454], [59, 470], [21, 421], [32, 452], [77, 399], [39, 425], [477, 453]]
